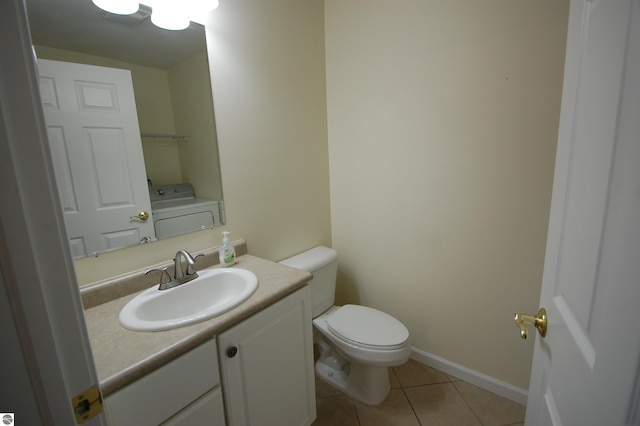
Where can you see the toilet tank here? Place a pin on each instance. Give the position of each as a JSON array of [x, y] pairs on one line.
[[322, 262]]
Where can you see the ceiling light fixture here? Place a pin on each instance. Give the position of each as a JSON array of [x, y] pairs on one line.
[[167, 14]]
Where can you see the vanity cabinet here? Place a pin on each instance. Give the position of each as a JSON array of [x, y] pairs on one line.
[[266, 363], [184, 392], [258, 372]]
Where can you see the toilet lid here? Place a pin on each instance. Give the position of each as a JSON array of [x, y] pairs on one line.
[[368, 326]]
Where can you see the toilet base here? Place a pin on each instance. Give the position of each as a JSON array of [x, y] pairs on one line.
[[364, 383], [361, 373]]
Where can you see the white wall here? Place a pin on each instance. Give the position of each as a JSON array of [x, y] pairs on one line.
[[189, 83], [443, 118], [268, 81]]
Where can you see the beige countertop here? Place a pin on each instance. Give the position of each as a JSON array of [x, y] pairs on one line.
[[123, 356]]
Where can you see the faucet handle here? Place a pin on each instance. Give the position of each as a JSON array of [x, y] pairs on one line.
[[165, 278], [191, 266]]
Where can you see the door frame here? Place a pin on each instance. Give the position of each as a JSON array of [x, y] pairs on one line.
[[38, 276]]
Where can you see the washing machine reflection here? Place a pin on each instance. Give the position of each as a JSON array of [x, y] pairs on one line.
[[176, 210]]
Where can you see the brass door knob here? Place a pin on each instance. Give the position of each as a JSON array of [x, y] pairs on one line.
[[143, 216], [539, 321]]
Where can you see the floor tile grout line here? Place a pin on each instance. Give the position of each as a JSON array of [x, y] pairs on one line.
[[411, 405], [401, 387], [467, 404], [425, 384], [355, 410], [404, 392]]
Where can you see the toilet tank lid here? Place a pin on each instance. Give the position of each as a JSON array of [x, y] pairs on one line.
[[312, 260]]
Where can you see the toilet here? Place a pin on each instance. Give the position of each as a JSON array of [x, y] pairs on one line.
[[357, 344]]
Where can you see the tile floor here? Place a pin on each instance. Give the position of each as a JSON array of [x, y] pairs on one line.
[[419, 395]]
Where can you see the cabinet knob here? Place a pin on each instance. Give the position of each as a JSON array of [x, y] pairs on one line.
[[232, 351]]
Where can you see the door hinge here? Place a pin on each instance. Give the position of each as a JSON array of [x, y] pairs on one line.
[[87, 404]]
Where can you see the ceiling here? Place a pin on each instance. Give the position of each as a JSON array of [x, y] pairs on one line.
[[81, 26]]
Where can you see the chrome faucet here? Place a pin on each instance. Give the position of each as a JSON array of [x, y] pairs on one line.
[[179, 274]]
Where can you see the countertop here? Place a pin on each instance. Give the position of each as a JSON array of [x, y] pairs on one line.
[[122, 356]]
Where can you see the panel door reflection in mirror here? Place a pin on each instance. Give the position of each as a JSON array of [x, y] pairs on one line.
[[172, 88]]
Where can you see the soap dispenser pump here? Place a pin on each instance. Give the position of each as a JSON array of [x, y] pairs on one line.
[[227, 252]]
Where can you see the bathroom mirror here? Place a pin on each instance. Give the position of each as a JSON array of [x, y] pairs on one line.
[[171, 83]]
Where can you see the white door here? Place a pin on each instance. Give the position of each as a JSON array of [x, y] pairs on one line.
[[586, 371], [93, 131]]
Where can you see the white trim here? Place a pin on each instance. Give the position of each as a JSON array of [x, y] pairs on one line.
[[35, 259], [471, 376]]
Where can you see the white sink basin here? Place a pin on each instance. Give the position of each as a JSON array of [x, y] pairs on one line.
[[213, 293]]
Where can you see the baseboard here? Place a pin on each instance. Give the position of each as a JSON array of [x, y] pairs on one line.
[[470, 376]]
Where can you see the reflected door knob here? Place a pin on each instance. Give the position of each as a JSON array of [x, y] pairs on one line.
[[143, 216], [539, 321]]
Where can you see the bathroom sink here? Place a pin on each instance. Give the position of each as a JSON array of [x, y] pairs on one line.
[[213, 293]]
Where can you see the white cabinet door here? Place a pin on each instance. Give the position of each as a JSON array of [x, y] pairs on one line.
[[266, 364], [93, 132]]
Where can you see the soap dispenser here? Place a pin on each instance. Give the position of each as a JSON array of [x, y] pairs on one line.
[[227, 252]]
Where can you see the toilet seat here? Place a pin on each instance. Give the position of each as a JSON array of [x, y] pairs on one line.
[[367, 327]]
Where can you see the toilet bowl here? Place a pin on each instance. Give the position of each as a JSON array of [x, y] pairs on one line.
[[356, 343]]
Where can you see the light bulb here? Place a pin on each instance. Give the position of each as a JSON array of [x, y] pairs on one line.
[[119, 7], [207, 5], [199, 9], [169, 16]]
